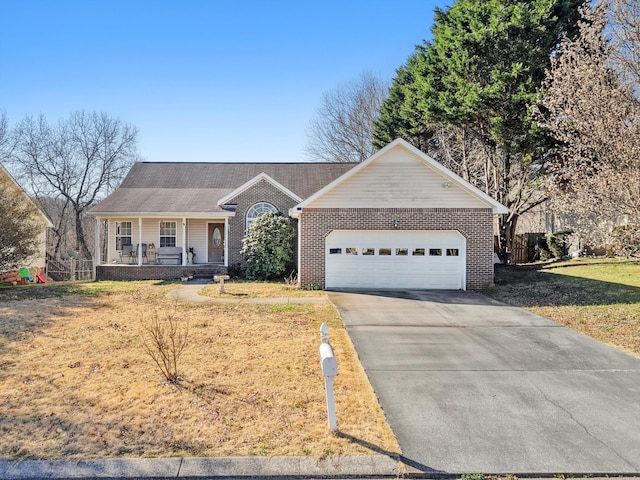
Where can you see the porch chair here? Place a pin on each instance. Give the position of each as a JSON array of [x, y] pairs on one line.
[[127, 252], [143, 253]]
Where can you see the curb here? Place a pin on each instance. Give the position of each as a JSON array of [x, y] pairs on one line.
[[216, 468], [200, 468]]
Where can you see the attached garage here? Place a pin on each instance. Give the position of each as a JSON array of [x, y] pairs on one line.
[[398, 220], [395, 259]]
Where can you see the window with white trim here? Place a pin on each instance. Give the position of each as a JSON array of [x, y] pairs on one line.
[[255, 211], [168, 234], [123, 234]]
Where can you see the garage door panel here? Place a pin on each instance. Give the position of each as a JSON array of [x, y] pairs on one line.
[[395, 259]]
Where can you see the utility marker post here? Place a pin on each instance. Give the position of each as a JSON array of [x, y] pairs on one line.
[[329, 367], [221, 279]]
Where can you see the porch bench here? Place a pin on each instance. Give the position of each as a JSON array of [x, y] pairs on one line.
[[169, 253]]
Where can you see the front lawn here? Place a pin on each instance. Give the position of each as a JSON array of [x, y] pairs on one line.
[[598, 297], [76, 383]]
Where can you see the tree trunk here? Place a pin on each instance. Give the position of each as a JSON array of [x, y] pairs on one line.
[[81, 243], [507, 225]]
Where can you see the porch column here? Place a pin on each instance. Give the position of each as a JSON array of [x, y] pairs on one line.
[[97, 253], [300, 250], [226, 241], [139, 241], [184, 241]]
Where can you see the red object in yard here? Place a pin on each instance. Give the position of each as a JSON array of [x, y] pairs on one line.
[[10, 277], [41, 278]]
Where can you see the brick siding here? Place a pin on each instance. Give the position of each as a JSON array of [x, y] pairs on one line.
[[476, 225], [263, 191], [155, 272]]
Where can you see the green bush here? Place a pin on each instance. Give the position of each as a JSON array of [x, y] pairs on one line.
[[625, 240], [268, 247], [553, 245]]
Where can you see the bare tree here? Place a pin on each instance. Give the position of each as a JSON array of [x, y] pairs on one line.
[[62, 238], [6, 146], [73, 163], [624, 30], [342, 129], [591, 107]]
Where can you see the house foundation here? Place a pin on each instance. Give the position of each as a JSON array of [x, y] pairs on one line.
[[157, 272]]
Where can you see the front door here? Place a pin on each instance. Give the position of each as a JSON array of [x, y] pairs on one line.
[[216, 243]]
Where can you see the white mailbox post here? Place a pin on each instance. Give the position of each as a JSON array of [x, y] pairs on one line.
[[329, 367]]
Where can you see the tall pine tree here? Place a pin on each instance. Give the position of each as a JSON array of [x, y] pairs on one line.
[[474, 83]]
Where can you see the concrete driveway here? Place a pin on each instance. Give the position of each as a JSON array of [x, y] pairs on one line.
[[472, 385]]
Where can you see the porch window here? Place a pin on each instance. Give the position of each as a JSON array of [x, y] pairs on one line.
[[123, 234], [256, 210], [168, 234]]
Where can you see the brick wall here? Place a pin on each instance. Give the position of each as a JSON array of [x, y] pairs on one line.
[[476, 225], [155, 272], [262, 191]]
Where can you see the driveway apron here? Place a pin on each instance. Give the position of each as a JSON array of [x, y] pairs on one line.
[[469, 384]]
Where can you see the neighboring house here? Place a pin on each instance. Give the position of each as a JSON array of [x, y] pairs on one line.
[[39, 259], [396, 220]]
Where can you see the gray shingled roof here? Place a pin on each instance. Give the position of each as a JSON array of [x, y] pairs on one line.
[[196, 187]]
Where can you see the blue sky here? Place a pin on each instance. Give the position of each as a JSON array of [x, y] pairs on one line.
[[202, 80]]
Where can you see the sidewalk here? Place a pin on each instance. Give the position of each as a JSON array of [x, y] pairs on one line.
[[189, 292], [203, 467]]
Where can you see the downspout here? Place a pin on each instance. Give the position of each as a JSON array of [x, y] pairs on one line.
[[296, 213], [299, 249]]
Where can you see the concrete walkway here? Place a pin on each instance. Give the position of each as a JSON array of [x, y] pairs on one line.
[[190, 292]]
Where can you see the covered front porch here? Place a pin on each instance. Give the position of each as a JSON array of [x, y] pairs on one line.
[[161, 247]]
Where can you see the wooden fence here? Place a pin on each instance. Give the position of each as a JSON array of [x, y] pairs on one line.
[[69, 269], [524, 249]]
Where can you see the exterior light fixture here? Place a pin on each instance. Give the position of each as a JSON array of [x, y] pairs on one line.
[[446, 185], [395, 223]]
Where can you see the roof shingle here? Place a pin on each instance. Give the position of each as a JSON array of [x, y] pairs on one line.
[[152, 187]]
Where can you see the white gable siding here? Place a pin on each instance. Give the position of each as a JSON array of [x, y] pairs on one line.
[[397, 179]]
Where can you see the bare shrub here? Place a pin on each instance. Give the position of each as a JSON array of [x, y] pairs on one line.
[[165, 340], [292, 279]]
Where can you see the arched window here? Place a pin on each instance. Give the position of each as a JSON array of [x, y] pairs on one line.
[[256, 210]]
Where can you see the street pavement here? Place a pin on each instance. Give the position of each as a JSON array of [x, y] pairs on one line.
[[472, 385]]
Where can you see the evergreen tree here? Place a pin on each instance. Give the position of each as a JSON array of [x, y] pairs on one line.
[[479, 74], [20, 225]]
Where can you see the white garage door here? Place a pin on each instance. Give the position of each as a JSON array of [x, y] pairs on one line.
[[395, 259]]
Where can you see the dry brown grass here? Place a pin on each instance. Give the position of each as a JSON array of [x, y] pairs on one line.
[[598, 297], [75, 381], [246, 289]]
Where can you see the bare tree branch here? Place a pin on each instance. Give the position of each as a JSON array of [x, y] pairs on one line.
[[74, 163], [342, 130], [591, 105]]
